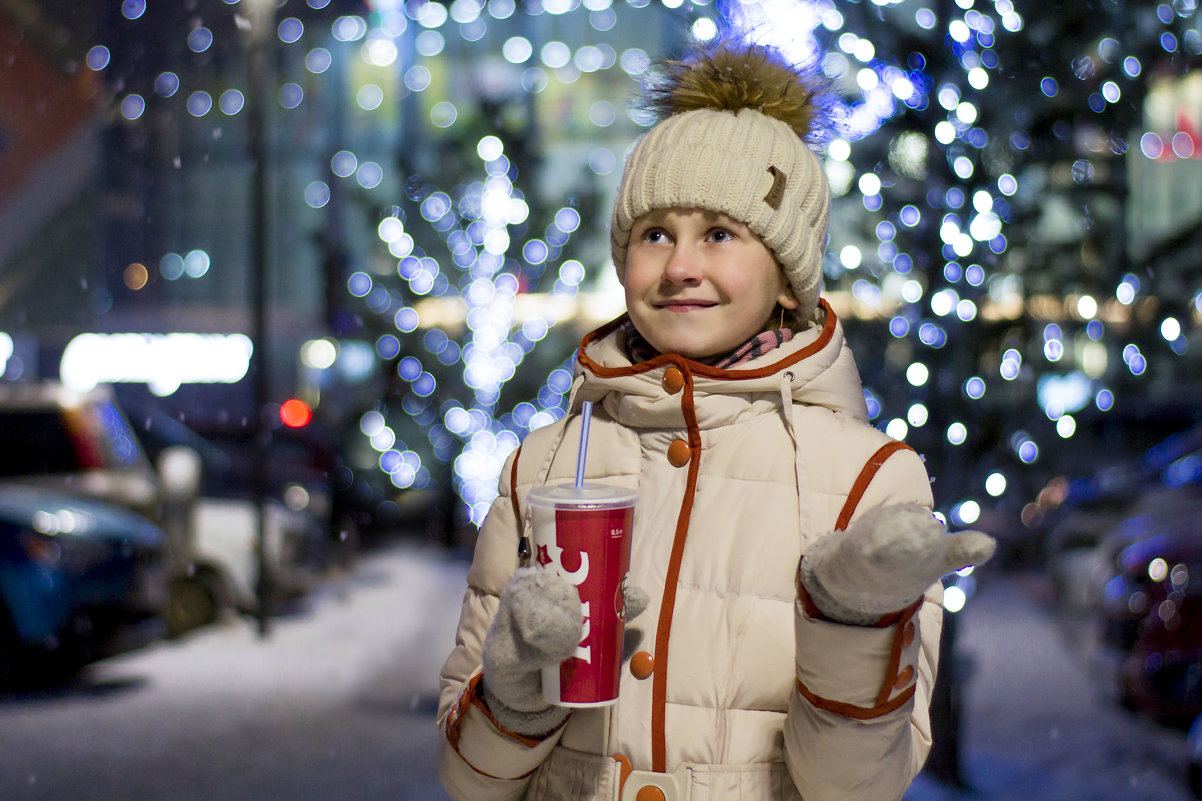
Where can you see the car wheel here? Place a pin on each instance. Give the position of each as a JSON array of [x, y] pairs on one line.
[[191, 603]]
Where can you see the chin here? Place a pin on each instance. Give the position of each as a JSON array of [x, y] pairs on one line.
[[694, 340], [689, 349]]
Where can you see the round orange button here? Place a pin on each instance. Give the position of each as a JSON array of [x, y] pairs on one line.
[[908, 635], [642, 665], [679, 453], [673, 380], [650, 793], [903, 678]]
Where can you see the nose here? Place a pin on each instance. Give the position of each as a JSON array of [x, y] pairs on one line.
[[683, 265]]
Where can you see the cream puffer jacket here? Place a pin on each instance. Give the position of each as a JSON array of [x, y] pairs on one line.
[[737, 687]]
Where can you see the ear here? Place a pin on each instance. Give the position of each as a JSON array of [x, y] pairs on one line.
[[786, 298]]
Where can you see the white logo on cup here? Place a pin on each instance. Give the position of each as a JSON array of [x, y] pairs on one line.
[[553, 555]]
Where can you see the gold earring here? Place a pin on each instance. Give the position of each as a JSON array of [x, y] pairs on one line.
[[782, 317]]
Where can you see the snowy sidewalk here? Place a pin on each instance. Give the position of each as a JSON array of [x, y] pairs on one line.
[[1035, 726], [339, 702]]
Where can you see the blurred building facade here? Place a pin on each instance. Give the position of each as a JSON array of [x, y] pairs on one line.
[[1015, 245]]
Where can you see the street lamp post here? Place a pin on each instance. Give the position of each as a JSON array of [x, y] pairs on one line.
[[257, 24]]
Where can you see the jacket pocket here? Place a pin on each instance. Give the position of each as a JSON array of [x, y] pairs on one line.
[[767, 781], [568, 775]]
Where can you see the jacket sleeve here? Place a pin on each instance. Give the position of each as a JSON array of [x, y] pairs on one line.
[[478, 759], [858, 725]]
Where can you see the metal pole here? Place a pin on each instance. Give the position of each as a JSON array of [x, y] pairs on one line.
[[944, 760], [261, 23]]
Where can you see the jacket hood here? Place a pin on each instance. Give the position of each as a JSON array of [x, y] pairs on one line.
[[815, 368]]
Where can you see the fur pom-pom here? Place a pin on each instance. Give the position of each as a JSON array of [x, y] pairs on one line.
[[731, 76]]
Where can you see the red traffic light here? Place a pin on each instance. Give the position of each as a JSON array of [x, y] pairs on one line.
[[295, 413]]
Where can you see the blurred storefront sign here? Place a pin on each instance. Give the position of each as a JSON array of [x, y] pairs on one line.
[[161, 361]]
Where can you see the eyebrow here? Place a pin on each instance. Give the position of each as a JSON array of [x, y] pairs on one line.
[[724, 220], [656, 217]]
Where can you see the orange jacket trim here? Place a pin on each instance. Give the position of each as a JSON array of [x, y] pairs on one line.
[[697, 368], [864, 479], [688, 368], [856, 712], [470, 697], [659, 681], [895, 650], [900, 618], [513, 490]]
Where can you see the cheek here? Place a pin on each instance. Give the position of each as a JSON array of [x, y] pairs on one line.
[[628, 291], [637, 281], [749, 288], [630, 283]]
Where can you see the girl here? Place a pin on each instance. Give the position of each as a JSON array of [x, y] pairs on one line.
[[787, 549]]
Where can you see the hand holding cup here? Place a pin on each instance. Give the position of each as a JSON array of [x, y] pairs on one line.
[[537, 625]]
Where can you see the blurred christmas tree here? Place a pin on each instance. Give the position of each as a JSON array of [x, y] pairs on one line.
[[980, 249], [449, 326], [1009, 282], [514, 141], [438, 178], [983, 212], [1014, 233]]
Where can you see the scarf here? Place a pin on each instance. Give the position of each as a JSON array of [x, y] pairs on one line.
[[640, 350]]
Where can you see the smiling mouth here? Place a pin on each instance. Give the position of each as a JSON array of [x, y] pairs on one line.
[[682, 306]]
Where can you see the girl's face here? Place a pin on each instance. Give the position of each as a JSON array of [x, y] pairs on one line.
[[699, 283]]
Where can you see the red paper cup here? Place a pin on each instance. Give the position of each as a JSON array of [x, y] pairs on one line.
[[583, 534]]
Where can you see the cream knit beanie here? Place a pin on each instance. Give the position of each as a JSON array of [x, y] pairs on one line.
[[725, 149]]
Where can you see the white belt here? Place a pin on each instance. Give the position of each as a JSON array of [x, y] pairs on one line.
[[641, 785]]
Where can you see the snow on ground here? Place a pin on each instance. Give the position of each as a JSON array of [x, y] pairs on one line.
[[339, 701], [1036, 725]]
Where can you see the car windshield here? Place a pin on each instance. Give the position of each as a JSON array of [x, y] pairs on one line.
[[52, 441], [36, 443]]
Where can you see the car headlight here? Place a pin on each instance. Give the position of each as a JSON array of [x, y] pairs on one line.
[[42, 550], [62, 552]]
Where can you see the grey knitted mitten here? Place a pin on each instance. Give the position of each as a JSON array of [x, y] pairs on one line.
[[885, 561], [538, 624]]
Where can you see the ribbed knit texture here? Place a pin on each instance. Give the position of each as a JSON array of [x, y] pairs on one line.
[[719, 161]]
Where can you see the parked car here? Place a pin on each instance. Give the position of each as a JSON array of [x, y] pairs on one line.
[[334, 473], [330, 473], [1152, 621], [79, 580], [223, 520], [83, 444], [1129, 494], [226, 535], [79, 443]]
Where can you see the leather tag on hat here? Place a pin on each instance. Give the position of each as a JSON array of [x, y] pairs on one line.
[[777, 193]]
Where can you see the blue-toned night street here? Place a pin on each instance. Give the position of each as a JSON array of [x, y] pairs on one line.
[[338, 702]]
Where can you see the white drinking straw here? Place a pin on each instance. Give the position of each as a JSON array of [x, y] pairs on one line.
[[586, 412]]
